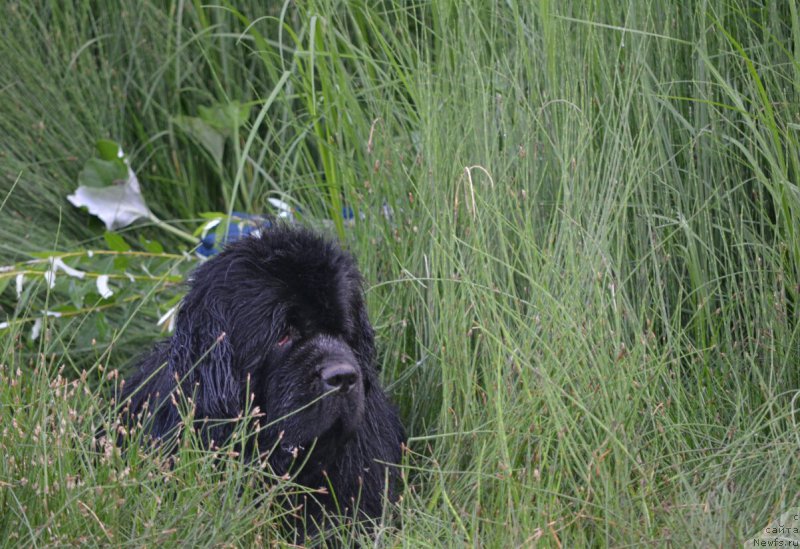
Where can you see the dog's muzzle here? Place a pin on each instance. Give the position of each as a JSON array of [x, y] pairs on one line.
[[340, 380], [339, 377]]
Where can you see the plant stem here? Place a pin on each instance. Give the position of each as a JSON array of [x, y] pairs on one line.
[[188, 237]]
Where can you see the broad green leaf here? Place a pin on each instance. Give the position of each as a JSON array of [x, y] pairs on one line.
[[152, 246], [102, 173], [225, 117], [120, 263], [213, 125], [208, 137], [116, 242], [109, 150]]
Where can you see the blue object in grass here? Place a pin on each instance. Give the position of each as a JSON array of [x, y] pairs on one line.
[[239, 225], [242, 224]]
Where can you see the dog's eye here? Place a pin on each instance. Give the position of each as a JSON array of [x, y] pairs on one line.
[[285, 338]]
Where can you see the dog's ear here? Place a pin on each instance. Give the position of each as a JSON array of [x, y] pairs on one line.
[[364, 344], [201, 354]]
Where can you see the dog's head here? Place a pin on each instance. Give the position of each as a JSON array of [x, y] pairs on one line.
[[278, 319]]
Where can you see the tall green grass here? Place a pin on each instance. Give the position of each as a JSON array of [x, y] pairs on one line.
[[585, 293]]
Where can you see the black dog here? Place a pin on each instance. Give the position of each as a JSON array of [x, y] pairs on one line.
[[280, 319]]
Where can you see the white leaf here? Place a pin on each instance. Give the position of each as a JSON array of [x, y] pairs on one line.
[[58, 262], [284, 209], [169, 318], [102, 287], [116, 205], [20, 280], [3, 325], [37, 329], [50, 277]]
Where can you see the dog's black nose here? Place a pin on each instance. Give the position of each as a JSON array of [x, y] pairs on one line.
[[339, 375]]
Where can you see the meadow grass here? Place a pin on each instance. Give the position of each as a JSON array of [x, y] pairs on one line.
[[578, 224]]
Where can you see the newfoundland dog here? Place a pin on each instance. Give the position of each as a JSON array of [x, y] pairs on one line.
[[279, 319]]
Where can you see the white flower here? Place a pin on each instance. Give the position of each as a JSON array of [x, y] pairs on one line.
[[117, 205]]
